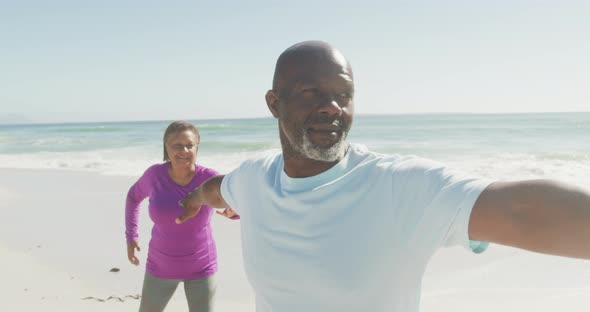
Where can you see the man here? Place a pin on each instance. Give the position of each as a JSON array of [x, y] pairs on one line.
[[330, 226]]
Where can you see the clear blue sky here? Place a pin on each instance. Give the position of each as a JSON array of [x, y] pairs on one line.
[[63, 61]]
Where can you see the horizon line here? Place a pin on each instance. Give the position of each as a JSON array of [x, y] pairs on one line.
[[27, 123]]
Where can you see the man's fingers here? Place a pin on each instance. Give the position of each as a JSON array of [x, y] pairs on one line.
[[185, 200], [189, 212], [183, 218]]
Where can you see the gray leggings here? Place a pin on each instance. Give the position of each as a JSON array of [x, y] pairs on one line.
[[156, 293]]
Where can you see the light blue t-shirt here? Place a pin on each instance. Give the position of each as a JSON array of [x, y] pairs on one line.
[[355, 238]]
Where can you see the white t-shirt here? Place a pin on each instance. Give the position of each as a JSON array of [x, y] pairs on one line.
[[355, 238]]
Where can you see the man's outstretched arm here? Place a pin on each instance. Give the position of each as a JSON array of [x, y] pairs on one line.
[[208, 193], [537, 215]]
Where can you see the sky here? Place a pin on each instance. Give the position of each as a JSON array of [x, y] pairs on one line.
[[80, 61]]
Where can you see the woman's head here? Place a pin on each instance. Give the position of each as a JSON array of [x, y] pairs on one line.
[[181, 141]]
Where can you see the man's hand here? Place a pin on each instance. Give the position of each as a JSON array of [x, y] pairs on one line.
[[131, 247], [207, 193], [191, 204], [228, 213]]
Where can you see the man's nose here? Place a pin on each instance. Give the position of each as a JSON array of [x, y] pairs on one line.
[[330, 107]]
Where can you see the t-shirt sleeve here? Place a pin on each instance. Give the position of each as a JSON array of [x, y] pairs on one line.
[[136, 194], [237, 185], [230, 189], [461, 194], [443, 199], [209, 173]]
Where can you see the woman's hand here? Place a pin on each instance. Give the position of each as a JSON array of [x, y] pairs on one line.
[[228, 213], [131, 247]]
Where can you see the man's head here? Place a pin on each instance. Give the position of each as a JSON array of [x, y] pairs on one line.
[[312, 98]]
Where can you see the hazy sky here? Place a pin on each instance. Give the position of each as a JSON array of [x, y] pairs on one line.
[[142, 60]]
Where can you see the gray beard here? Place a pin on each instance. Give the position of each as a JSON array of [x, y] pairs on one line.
[[326, 154]]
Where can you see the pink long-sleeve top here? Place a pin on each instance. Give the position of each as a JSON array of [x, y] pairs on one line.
[[176, 251]]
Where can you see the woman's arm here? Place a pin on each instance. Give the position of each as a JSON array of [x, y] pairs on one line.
[[136, 194]]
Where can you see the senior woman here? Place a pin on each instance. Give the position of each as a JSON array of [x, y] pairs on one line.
[[177, 253]]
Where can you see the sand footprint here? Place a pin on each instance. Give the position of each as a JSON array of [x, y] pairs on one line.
[[123, 299]]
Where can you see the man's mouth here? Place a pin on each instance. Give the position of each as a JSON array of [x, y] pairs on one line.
[[324, 133], [324, 130], [325, 127]]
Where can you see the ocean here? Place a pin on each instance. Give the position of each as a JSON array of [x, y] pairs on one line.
[[497, 146]]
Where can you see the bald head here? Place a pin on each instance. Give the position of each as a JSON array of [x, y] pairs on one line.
[[306, 56], [312, 99]]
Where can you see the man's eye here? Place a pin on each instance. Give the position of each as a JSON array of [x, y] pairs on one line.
[[310, 92]]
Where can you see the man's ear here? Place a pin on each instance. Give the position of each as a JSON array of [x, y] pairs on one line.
[[272, 101]]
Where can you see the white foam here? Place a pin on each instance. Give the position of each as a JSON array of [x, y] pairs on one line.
[[130, 161], [518, 166]]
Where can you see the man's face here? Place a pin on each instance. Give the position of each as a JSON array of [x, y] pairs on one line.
[[315, 109]]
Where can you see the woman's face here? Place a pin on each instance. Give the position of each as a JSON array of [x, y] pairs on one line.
[[182, 149]]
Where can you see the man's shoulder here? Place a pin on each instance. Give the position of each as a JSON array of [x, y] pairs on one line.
[[253, 170], [262, 160], [393, 161], [264, 156]]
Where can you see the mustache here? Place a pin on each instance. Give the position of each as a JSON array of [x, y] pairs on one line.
[[324, 120]]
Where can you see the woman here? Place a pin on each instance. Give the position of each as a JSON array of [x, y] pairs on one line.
[[177, 252]]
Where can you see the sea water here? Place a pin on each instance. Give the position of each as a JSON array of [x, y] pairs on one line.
[[497, 146]]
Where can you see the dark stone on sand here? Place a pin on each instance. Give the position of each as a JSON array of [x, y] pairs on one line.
[[115, 270]]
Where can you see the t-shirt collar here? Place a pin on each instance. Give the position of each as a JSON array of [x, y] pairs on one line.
[[305, 184]]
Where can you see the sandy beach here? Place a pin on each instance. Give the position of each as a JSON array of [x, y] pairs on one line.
[[63, 231]]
